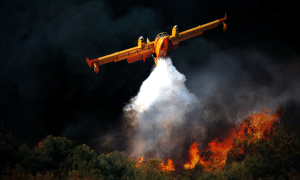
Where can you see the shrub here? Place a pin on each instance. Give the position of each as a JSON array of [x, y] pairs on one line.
[[7, 148], [53, 154], [17, 173], [35, 161], [85, 162]]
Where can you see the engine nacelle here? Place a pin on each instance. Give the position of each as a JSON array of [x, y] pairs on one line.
[[141, 42], [175, 31]]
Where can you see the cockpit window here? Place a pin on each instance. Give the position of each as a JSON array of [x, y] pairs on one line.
[[162, 34]]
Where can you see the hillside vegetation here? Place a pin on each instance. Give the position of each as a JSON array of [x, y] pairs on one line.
[[59, 158]]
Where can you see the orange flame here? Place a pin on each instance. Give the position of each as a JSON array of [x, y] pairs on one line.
[[194, 156], [168, 167], [262, 122], [258, 125], [141, 159], [219, 152]]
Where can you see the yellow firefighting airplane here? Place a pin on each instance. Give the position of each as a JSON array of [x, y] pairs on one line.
[[161, 47]]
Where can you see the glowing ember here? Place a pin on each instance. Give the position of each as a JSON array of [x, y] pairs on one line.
[[38, 145], [168, 167], [141, 159]]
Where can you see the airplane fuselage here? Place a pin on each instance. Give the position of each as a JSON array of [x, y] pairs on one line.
[[162, 47]]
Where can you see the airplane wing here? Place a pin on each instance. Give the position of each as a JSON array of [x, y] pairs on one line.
[[143, 51], [198, 31]]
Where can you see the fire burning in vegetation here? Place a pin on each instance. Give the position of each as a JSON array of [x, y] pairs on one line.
[[256, 127], [141, 159], [194, 156], [162, 166], [168, 167]]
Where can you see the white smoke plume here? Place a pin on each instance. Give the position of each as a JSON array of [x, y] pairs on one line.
[[160, 105]]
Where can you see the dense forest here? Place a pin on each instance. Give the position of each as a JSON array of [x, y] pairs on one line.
[[276, 156]]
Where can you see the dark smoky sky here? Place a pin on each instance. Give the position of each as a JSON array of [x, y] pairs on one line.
[[46, 86]]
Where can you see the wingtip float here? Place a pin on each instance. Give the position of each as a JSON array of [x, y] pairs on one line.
[[161, 47]]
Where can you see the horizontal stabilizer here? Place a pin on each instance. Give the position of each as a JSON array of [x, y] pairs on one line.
[[89, 62]]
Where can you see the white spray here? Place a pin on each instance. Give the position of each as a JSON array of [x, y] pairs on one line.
[[161, 104]]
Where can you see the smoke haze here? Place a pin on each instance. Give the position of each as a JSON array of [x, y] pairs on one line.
[[168, 115], [46, 86], [160, 105]]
